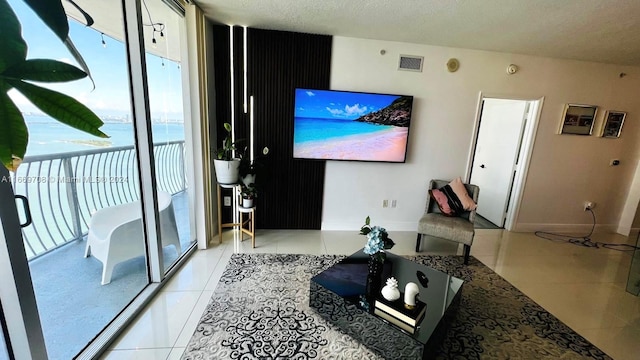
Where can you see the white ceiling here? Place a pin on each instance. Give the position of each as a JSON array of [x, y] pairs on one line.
[[605, 31]]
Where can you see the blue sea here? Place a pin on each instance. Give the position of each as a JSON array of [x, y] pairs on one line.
[[48, 136], [314, 129]]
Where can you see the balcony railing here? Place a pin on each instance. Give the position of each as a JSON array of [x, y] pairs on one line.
[[65, 189]]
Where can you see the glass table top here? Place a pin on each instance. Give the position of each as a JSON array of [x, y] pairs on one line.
[[348, 280]]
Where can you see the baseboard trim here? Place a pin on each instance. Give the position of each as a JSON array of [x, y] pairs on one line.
[[351, 226], [529, 227], [564, 228]]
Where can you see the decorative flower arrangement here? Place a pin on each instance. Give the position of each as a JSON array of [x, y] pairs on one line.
[[377, 240]]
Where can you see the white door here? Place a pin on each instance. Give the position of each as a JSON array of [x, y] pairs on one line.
[[499, 137]]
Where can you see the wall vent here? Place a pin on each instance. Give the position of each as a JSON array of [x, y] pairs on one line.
[[411, 63]]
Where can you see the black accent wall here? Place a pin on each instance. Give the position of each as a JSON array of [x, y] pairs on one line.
[[278, 63], [222, 98]]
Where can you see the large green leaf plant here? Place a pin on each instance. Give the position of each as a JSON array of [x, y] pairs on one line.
[[18, 72]]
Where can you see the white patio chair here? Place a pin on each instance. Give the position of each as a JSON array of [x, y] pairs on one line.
[[115, 233]]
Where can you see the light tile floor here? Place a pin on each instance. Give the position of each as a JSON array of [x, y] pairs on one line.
[[583, 287]]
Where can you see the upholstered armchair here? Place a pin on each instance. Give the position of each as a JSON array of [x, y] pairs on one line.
[[459, 229]]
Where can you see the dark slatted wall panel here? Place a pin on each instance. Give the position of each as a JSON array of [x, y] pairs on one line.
[[222, 75], [278, 63], [241, 121], [222, 99]]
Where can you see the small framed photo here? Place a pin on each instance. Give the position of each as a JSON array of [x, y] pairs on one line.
[[578, 119], [613, 121]]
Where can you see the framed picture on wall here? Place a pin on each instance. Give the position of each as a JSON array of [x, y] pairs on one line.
[[578, 119], [613, 121]]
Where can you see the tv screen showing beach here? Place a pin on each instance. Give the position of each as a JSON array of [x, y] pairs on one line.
[[343, 125]]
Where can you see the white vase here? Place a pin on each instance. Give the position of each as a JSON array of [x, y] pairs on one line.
[[411, 290], [247, 203], [227, 171]]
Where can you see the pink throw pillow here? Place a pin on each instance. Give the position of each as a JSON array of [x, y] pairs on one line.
[[463, 195], [442, 202]]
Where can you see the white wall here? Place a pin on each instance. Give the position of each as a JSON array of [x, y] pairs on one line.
[[565, 170]]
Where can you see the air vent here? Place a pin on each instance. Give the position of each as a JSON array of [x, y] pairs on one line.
[[410, 63]]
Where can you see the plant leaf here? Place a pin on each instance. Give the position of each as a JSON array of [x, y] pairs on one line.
[[14, 49], [367, 221], [88, 19], [76, 55], [227, 126], [61, 107], [53, 15], [44, 70], [14, 135]]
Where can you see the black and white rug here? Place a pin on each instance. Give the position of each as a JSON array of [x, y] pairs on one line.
[[260, 310]]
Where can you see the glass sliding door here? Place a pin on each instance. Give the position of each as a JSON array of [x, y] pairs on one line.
[[4, 350], [84, 259], [164, 29], [85, 248]]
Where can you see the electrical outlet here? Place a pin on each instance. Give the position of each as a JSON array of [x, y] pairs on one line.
[[394, 203], [227, 201], [385, 203], [589, 205]]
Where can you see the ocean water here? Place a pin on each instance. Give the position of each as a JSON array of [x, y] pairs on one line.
[[99, 181], [315, 129], [48, 136]]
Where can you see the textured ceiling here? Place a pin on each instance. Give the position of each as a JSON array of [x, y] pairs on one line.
[[605, 31]]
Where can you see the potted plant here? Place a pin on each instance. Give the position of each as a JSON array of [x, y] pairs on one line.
[[248, 193], [17, 72], [225, 164], [249, 169]]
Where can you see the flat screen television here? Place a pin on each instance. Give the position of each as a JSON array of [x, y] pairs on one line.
[[346, 125]]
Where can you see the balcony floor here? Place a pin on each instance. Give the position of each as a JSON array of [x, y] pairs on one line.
[[73, 306]]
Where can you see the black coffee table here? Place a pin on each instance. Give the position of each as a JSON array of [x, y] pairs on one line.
[[339, 295]]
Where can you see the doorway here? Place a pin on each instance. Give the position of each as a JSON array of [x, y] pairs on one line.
[[504, 135]]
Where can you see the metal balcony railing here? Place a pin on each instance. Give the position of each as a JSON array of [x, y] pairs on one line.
[[65, 189]]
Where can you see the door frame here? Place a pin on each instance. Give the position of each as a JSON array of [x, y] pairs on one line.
[[526, 149], [25, 338]]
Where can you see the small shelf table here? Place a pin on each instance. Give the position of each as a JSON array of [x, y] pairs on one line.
[[234, 207], [251, 220], [238, 214]]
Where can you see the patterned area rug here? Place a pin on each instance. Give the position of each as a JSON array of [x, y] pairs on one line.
[[260, 310]]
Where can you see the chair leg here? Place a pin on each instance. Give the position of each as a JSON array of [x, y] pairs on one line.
[[107, 270], [467, 250], [418, 242]]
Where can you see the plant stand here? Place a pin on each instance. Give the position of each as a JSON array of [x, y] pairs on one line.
[[234, 208], [251, 221]]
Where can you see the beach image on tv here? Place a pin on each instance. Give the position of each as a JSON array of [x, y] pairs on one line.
[[342, 125]]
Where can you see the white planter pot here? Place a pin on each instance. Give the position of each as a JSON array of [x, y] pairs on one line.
[[227, 171], [247, 203]]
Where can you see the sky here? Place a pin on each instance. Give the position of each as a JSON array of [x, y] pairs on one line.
[[324, 104], [107, 65]]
